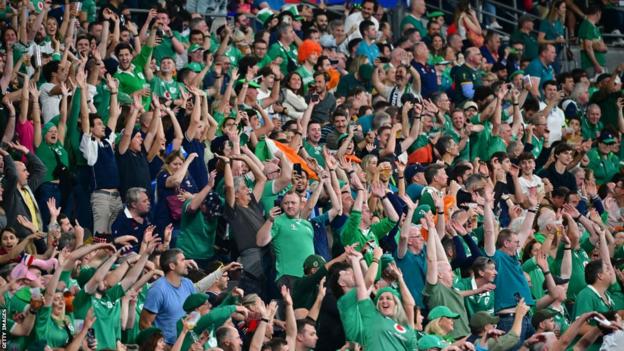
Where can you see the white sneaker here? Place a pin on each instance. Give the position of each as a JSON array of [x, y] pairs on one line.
[[616, 32], [494, 25], [619, 42]]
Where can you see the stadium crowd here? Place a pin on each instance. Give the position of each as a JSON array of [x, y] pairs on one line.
[[297, 176]]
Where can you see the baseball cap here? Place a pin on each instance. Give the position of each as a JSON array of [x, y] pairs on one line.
[[194, 301], [606, 138], [252, 84], [541, 316], [441, 311], [412, 170], [435, 14], [386, 289], [195, 47], [479, 320], [313, 261], [439, 60], [430, 342], [470, 104], [328, 41], [194, 66]]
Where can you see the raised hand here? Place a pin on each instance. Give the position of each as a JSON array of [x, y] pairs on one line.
[[286, 296], [54, 211], [378, 189]]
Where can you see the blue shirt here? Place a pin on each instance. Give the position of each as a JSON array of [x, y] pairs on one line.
[[428, 79], [537, 69], [415, 269], [126, 225], [371, 51], [509, 281], [165, 301]]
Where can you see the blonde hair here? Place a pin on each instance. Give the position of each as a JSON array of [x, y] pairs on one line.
[[398, 315], [434, 328]]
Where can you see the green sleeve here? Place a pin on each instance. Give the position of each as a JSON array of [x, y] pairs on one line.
[[505, 342], [142, 58], [368, 311], [66, 278], [351, 228], [426, 199], [115, 293], [72, 138], [230, 300], [42, 321], [529, 265], [381, 228], [215, 317], [587, 245]]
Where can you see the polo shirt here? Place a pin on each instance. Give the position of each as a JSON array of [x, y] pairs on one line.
[[509, 281], [54, 332], [383, 333], [107, 310], [536, 68], [589, 130], [415, 268], [530, 44], [589, 300], [477, 302], [292, 240], [169, 89], [124, 224], [580, 258], [197, 234], [428, 79]]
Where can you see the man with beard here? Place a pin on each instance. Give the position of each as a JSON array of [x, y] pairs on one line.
[[402, 86], [321, 22], [352, 22]]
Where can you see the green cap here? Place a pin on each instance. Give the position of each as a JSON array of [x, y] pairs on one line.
[[313, 261], [430, 342], [194, 301], [20, 300], [38, 5], [294, 12], [479, 320], [195, 47], [393, 291], [194, 66], [420, 212], [442, 311], [252, 84], [51, 123], [435, 14], [85, 275], [146, 334], [385, 261], [56, 56]]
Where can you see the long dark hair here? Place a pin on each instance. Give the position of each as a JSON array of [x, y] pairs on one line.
[[287, 80]]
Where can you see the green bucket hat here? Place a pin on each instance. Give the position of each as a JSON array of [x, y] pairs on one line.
[[264, 15], [51, 123], [146, 334], [429, 341], [420, 212]]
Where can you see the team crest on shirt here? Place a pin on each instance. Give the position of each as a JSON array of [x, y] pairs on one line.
[[167, 95], [399, 328]]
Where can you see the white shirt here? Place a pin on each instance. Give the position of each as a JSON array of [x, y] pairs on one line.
[[89, 147], [50, 104], [555, 122], [353, 23], [535, 181]]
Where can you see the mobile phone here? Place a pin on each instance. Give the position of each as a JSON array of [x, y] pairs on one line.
[[314, 98], [91, 338], [517, 296], [602, 322], [297, 168], [278, 201]]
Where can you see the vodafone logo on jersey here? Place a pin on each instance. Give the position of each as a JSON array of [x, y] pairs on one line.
[[399, 328]]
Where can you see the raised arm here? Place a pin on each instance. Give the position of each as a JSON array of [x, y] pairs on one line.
[[291, 322], [263, 237], [257, 172], [405, 227], [128, 131], [175, 179], [377, 83], [432, 254], [489, 236], [91, 286], [228, 180]]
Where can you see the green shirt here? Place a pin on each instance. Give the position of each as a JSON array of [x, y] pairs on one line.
[[89, 7], [286, 53], [171, 90], [604, 166], [478, 302], [46, 154], [589, 300], [306, 77], [267, 200], [465, 75], [480, 141], [440, 295], [537, 278], [589, 31], [315, 152], [197, 234], [133, 79], [383, 333], [210, 322], [551, 30], [293, 242], [417, 23], [496, 144], [107, 310], [352, 234], [350, 316], [590, 131], [53, 331], [464, 154], [530, 44]]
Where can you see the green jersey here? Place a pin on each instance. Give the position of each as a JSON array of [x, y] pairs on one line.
[[416, 23], [57, 333], [589, 31], [440, 295], [293, 242], [589, 300], [478, 302], [197, 234], [49, 154], [288, 55], [107, 310], [165, 49], [171, 89], [133, 79], [604, 166], [383, 333]]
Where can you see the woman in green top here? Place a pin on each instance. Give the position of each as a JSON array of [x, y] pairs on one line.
[[52, 323], [390, 320], [552, 31], [49, 140]]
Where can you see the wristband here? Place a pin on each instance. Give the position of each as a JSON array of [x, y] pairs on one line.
[[532, 210], [375, 260], [401, 177], [546, 273], [264, 320], [350, 172], [567, 248]]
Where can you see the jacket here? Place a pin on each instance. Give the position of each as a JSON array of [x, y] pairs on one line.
[[14, 203]]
